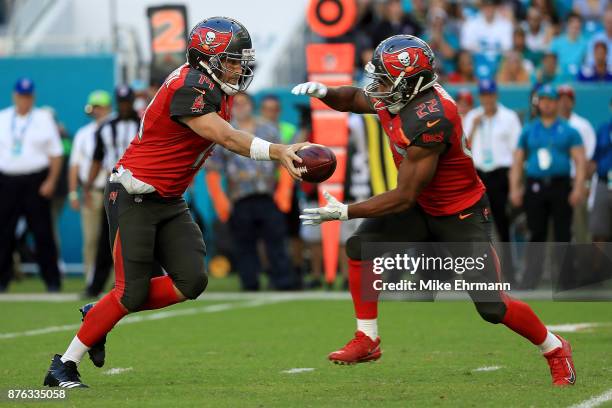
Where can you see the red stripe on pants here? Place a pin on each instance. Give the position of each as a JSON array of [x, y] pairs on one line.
[[119, 269]]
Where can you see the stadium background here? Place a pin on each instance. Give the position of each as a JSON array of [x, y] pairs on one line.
[[263, 349]]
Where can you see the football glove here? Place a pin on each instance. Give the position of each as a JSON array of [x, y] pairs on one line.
[[314, 89], [334, 210]]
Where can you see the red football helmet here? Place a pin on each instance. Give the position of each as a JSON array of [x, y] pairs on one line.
[[215, 41], [401, 67]]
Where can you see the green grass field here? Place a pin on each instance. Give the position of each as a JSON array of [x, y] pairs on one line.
[[233, 353]]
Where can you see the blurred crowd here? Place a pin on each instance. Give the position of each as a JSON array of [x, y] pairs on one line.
[[514, 42], [550, 167]]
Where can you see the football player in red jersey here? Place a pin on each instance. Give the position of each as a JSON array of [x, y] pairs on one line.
[[148, 218], [439, 197]]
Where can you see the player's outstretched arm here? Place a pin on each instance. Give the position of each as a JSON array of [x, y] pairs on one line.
[[415, 172], [341, 98], [212, 127]]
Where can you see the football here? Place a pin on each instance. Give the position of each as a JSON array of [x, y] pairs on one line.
[[318, 164]]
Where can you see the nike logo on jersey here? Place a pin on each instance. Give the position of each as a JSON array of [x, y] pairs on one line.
[[464, 216], [430, 123]]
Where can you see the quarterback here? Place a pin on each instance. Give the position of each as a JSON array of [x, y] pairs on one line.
[[438, 198], [148, 219]]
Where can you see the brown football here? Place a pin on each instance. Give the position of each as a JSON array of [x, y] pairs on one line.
[[318, 163]]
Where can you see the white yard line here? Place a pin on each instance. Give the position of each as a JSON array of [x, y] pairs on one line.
[[574, 327], [318, 295], [117, 370], [595, 401], [487, 368], [297, 370], [165, 314], [217, 296]]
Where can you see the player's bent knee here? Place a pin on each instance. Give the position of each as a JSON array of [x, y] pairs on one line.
[[353, 247], [195, 286], [492, 312], [134, 300]]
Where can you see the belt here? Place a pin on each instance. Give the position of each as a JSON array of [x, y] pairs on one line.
[[548, 180]]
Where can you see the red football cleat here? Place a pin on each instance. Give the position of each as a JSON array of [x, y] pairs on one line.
[[561, 364], [359, 350]]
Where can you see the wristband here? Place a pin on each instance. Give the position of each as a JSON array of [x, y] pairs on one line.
[[73, 195], [260, 149]]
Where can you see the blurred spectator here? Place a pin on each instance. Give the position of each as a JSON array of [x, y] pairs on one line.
[[493, 131], [30, 164], [567, 101], [548, 10], [601, 213], [547, 145], [601, 69], [549, 72], [464, 100], [98, 108], [488, 32], [141, 96], [270, 110], [419, 9], [512, 70], [249, 204], [465, 69], [395, 21], [454, 17], [285, 195], [604, 36], [519, 44], [112, 139], [61, 188], [360, 35], [537, 31], [571, 46], [590, 9], [441, 39]]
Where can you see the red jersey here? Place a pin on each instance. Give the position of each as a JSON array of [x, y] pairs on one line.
[[429, 119], [166, 153]]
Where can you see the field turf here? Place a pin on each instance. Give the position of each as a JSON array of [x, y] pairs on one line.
[[234, 353]]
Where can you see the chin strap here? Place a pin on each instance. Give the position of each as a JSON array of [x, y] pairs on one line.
[[228, 89]]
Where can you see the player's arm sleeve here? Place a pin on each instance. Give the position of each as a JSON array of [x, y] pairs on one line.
[[575, 139], [468, 122], [54, 145], [430, 133], [590, 139], [191, 101], [75, 154], [522, 140], [515, 130]]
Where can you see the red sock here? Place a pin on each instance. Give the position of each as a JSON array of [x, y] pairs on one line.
[[365, 300], [521, 319], [101, 319], [161, 294]]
